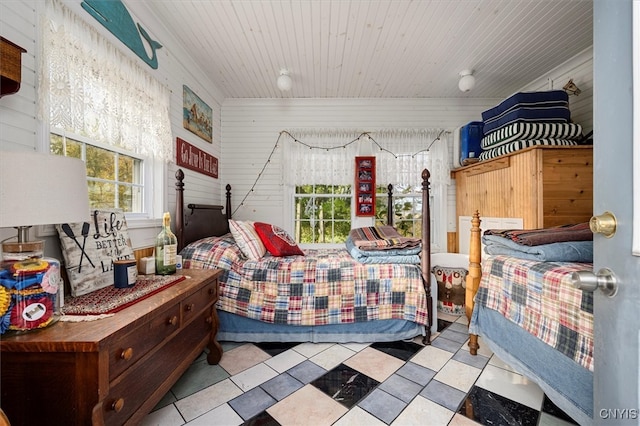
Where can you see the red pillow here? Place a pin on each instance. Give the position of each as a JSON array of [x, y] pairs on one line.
[[276, 240]]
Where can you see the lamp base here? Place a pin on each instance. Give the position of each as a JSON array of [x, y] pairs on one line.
[[29, 287], [22, 250]]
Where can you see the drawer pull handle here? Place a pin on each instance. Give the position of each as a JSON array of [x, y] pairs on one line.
[[190, 307], [127, 354], [173, 320], [209, 320], [212, 291], [118, 405]]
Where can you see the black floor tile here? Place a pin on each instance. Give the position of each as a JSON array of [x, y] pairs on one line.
[[488, 408], [401, 350], [442, 324], [262, 419], [345, 385], [549, 407], [276, 348]]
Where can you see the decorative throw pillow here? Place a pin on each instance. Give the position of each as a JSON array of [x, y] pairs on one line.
[[89, 249], [277, 240], [451, 289], [247, 239]]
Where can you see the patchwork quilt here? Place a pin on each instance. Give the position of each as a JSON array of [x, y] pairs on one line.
[[322, 287], [539, 297]]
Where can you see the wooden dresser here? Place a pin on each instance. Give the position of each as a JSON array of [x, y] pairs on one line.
[[545, 186], [114, 370]]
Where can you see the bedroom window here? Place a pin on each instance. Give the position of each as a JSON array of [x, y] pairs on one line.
[[114, 178], [322, 213], [100, 105], [407, 209]]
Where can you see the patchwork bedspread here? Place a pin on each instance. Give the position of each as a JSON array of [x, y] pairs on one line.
[[539, 297], [322, 287]]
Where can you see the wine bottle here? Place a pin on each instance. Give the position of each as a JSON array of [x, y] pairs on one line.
[[166, 248]]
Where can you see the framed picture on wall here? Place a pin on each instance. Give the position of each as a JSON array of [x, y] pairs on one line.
[[365, 186]]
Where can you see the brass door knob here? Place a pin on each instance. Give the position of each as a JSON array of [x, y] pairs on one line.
[[604, 224]]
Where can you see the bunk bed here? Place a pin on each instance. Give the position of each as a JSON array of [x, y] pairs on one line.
[[529, 313], [320, 295]]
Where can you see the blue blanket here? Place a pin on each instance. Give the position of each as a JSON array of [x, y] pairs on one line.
[[570, 251], [409, 255]]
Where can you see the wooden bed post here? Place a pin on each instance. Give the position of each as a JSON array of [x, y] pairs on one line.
[[390, 205], [425, 255], [473, 278], [179, 216], [228, 203]]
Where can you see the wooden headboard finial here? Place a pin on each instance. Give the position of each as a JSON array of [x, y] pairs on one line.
[[228, 203], [179, 216], [389, 205]]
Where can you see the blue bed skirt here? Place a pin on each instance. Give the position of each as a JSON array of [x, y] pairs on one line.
[[234, 328], [567, 384]]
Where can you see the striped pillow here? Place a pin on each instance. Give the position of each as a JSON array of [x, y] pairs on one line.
[[247, 239]]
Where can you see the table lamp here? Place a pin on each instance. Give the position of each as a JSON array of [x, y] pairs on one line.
[[35, 189]]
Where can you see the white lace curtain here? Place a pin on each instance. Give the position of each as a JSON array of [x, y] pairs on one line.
[[91, 88], [327, 156]]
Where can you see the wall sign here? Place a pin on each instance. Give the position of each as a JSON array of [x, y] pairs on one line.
[[365, 186], [193, 158], [89, 249]]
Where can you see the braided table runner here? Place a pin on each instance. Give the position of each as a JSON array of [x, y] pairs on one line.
[[110, 299]]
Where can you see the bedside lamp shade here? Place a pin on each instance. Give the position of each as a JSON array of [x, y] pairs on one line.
[[41, 189]]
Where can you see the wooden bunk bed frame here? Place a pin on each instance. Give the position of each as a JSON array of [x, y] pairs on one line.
[[196, 221]]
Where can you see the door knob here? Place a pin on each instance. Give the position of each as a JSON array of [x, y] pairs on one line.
[[604, 224], [604, 280]]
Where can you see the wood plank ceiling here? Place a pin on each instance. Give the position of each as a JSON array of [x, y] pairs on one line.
[[375, 48]]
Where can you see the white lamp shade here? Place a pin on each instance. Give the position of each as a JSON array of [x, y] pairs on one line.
[[42, 189], [467, 81], [284, 82]]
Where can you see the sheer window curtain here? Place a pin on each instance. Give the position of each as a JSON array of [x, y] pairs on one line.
[[401, 156], [89, 87]]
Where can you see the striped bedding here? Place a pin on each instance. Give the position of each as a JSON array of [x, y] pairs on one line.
[[539, 297], [522, 144], [323, 287], [522, 131]]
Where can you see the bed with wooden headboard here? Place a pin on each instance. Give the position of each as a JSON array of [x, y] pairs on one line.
[[323, 295], [533, 317]]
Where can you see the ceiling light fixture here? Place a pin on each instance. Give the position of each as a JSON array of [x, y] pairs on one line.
[[284, 80], [467, 81]]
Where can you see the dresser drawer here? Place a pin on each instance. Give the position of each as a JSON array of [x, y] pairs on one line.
[[129, 392], [135, 344], [195, 303]]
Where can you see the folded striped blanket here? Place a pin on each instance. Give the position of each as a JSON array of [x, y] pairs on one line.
[[536, 237], [518, 145], [380, 238], [522, 131]]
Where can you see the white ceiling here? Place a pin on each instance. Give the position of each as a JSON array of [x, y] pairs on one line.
[[375, 48]]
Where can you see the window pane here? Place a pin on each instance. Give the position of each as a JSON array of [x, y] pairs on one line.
[[100, 163], [128, 197], [102, 195]]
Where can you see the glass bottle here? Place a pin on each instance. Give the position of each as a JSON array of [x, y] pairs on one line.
[[166, 248]]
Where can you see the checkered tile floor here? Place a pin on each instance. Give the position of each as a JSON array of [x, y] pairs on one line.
[[398, 383]]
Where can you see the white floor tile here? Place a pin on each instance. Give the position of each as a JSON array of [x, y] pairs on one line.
[[165, 416], [511, 385], [223, 415], [500, 363], [332, 356], [285, 360], [458, 375], [254, 376], [207, 399], [307, 406], [421, 411], [375, 364], [358, 417], [432, 357], [310, 349]]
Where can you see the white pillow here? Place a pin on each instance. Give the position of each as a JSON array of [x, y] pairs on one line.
[[247, 239]]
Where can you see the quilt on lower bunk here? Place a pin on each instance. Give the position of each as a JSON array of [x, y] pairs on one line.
[[539, 297], [322, 287]]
